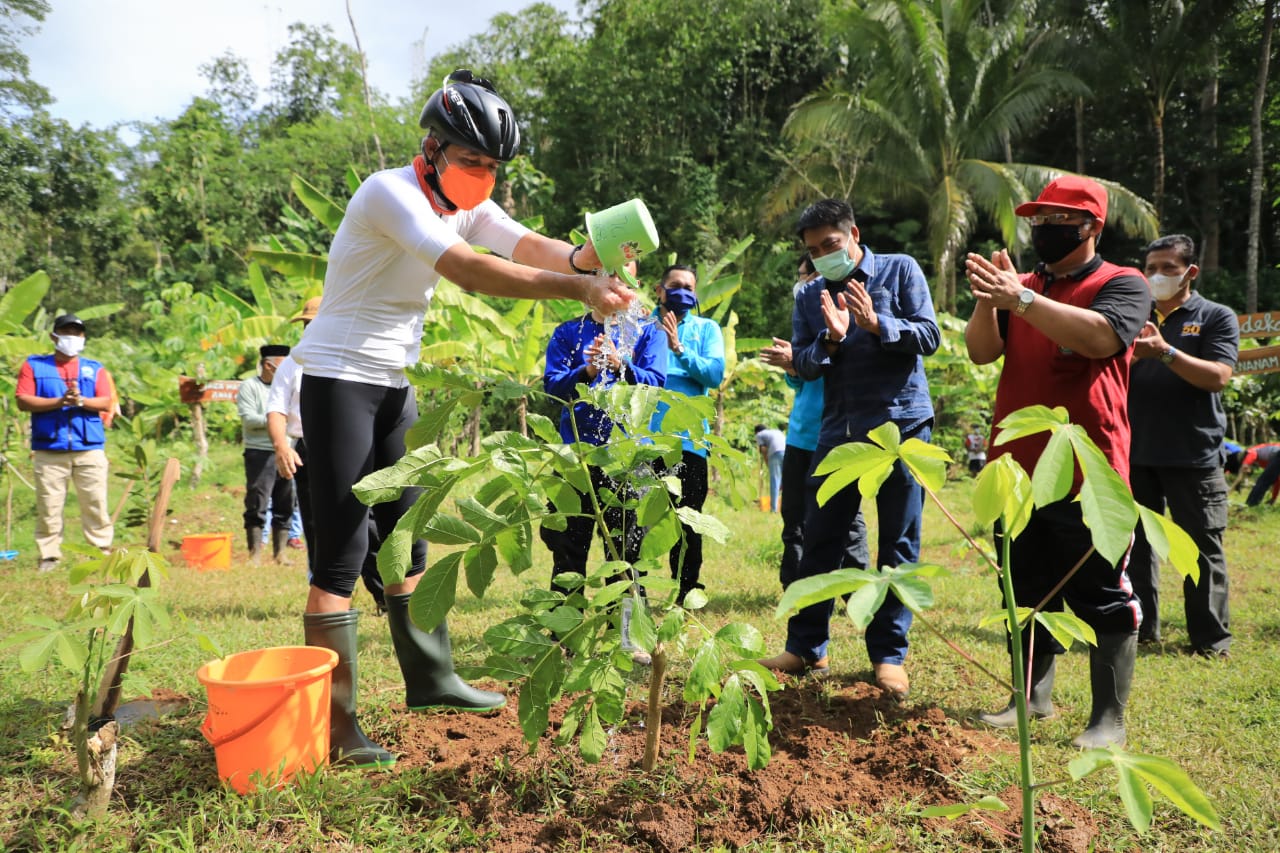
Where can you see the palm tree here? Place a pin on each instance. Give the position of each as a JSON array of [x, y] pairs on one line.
[[937, 92]]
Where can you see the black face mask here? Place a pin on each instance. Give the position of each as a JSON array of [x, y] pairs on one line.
[[1052, 243]]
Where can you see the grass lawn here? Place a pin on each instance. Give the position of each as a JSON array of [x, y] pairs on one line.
[[1220, 720]]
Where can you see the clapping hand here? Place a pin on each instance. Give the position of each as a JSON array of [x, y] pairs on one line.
[[778, 355]]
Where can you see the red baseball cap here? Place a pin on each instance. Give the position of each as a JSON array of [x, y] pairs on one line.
[[1070, 191]]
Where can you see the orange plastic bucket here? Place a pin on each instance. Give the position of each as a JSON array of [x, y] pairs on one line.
[[764, 502], [268, 713], [207, 550]]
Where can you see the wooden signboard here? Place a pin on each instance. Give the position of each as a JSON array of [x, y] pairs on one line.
[[1261, 360], [216, 391], [1264, 325]]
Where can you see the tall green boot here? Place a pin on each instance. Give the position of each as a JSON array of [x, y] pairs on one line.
[[348, 745], [279, 540], [1110, 676], [426, 661], [1039, 700], [253, 536]]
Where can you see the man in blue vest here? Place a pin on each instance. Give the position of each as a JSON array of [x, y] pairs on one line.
[[66, 396]]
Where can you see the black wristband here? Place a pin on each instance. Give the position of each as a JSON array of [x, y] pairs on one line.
[[573, 254]]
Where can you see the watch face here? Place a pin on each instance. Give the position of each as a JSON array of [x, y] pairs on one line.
[[1026, 296]]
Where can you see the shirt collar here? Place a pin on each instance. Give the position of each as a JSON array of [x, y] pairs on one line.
[[1090, 267]]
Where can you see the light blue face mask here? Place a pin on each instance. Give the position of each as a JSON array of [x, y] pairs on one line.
[[835, 266]]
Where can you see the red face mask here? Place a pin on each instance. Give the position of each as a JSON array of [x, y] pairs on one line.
[[465, 186]]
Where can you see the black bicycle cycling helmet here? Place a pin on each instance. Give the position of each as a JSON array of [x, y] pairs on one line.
[[465, 110]]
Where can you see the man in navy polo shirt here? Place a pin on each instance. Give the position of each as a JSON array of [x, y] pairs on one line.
[[1183, 358], [1065, 331]]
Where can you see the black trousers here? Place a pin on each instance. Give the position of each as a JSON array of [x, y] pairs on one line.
[[260, 485], [686, 556], [1099, 593], [795, 477], [352, 430], [1197, 501], [369, 572], [571, 548]]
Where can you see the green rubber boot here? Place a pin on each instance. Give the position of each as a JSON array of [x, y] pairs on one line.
[[348, 745], [1110, 677], [426, 661], [1039, 700]]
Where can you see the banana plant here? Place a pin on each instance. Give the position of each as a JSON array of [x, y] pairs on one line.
[[1006, 493]]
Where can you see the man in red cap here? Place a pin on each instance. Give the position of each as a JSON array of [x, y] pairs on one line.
[[1065, 330]]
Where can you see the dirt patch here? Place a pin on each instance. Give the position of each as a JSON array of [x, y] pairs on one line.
[[837, 748]]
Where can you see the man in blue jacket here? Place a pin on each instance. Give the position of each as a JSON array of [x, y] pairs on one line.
[[66, 396], [695, 366], [864, 326], [584, 351]]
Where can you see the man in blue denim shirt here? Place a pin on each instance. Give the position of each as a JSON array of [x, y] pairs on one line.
[[864, 327]]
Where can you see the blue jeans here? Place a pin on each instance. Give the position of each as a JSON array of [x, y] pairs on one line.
[[775, 479], [899, 506]]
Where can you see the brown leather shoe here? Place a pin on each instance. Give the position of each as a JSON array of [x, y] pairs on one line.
[[793, 664], [892, 678]]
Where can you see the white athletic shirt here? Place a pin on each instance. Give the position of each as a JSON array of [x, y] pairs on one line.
[[381, 276], [285, 397]]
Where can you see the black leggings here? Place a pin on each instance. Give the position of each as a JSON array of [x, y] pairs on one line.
[[353, 429]]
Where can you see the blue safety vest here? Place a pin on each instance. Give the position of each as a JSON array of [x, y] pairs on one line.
[[67, 428]]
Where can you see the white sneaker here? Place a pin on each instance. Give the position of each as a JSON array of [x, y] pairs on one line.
[[638, 655]]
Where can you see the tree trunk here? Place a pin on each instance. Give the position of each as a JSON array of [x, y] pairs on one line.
[[1079, 136], [99, 778], [1157, 191], [472, 431], [201, 439], [653, 713], [1211, 187], [1256, 178], [364, 79], [522, 415]]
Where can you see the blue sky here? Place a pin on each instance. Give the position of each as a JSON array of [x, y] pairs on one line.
[[108, 61]]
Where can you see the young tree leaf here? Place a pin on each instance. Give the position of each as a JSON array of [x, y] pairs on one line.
[[822, 587], [480, 562], [1136, 799], [695, 599], [1170, 542], [743, 639], [951, 812], [864, 602], [724, 722], [755, 734], [1067, 628], [433, 598], [672, 625], [1055, 470], [520, 639], [850, 462], [926, 462], [1030, 420], [534, 711], [707, 525], [543, 427], [1003, 491], [704, 674], [592, 741], [1109, 509], [643, 632], [514, 546], [661, 537], [446, 530]]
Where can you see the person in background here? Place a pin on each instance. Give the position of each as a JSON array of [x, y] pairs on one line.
[[403, 230], [261, 482], [1182, 359], [802, 441], [695, 365], [581, 352], [284, 425], [772, 444], [67, 396], [1065, 331], [975, 448], [865, 327], [1260, 456]]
